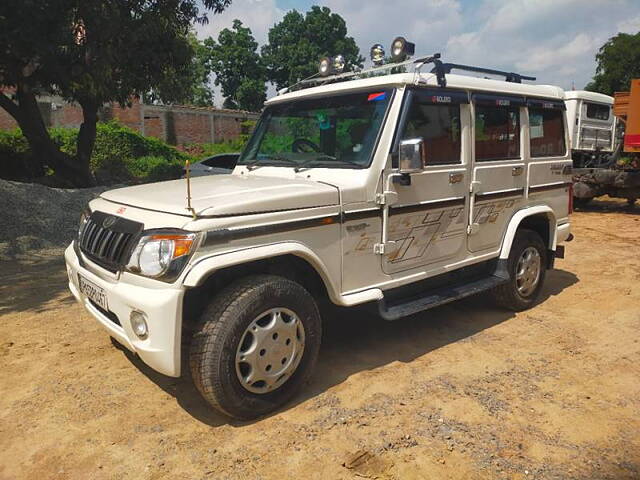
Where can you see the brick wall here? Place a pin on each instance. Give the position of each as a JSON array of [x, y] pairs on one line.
[[175, 124]]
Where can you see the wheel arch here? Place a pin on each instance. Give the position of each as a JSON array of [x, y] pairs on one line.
[[290, 259], [540, 219]]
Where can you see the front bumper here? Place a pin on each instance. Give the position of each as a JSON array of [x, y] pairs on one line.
[[162, 305]]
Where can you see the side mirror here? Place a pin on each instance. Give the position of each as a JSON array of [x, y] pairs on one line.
[[411, 156]]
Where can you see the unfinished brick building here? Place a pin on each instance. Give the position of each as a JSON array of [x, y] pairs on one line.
[[175, 124]]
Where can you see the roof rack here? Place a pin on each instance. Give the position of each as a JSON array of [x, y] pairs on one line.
[[445, 68], [439, 69], [417, 62]]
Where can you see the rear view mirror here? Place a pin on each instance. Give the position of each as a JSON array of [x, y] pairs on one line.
[[411, 155]]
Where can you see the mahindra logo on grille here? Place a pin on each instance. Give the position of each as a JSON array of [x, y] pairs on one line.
[[109, 222]]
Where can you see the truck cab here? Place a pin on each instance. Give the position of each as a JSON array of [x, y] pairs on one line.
[[592, 128], [396, 192]]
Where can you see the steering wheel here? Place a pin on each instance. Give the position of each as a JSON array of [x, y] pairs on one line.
[[302, 145]]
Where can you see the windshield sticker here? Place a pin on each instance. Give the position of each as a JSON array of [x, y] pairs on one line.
[[324, 122], [376, 97]]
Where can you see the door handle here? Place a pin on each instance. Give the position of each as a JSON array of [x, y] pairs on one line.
[[456, 177], [515, 171]]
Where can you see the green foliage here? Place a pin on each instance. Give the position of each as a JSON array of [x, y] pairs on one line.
[[100, 49], [14, 151], [298, 42], [93, 52], [238, 68], [120, 154], [195, 88], [618, 61], [153, 169], [203, 150]]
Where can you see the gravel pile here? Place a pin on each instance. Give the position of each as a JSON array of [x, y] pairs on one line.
[[34, 217]]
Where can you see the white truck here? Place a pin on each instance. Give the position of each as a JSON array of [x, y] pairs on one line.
[[400, 191], [597, 143], [592, 128]]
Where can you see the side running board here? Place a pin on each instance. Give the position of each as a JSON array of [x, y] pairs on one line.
[[441, 296]]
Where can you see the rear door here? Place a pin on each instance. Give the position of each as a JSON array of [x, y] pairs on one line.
[[428, 221], [499, 174]]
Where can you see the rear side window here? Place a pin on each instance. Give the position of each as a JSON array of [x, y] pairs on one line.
[[546, 131], [597, 111], [439, 126], [497, 132]]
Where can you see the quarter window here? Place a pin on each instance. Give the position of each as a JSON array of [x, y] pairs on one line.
[[597, 111], [439, 126], [497, 133], [546, 131]]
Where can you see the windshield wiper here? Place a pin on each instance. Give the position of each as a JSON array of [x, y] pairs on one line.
[[278, 158], [325, 161]]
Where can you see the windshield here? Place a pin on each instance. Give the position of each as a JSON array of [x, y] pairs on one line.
[[336, 132]]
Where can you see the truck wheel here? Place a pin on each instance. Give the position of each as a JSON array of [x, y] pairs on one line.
[[255, 345], [527, 268]]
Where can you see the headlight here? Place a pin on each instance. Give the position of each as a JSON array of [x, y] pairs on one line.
[[162, 255], [84, 217]]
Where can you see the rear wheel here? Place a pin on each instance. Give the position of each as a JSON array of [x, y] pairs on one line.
[[527, 268], [255, 345]]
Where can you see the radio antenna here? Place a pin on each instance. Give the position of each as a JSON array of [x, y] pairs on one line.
[[188, 176]]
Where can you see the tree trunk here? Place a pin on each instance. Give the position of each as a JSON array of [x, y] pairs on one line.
[[87, 138], [45, 152]]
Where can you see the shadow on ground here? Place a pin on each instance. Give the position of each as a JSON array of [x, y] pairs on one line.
[[19, 292], [604, 205], [350, 335]]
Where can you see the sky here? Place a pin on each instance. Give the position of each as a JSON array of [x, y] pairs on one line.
[[553, 40]]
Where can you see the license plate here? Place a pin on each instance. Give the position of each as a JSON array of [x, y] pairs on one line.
[[93, 291]]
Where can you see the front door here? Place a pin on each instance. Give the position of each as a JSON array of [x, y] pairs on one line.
[[428, 221], [499, 173]]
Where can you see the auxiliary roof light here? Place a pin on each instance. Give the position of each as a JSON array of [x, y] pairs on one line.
[[377, 54], [401, 49], [324, 69], [331, 65], [338, 64]]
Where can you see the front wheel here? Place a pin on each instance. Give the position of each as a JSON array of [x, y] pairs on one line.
[[255, 345], [527, 268]]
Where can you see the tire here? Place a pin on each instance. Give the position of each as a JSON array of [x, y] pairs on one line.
[[239, 322], [512, 295]]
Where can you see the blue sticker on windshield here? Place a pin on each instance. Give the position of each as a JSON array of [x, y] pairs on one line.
[[324, 122], [376, 97]]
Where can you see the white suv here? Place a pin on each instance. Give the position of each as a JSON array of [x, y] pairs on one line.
[[403, 191]]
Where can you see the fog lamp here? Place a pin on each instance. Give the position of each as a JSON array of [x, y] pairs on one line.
[[139, 324], [377, 54], [401, 49]]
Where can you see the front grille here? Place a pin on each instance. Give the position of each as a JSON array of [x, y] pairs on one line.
[[107, 239]]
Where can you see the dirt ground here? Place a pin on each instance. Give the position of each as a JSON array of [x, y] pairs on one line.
[[462, 391]]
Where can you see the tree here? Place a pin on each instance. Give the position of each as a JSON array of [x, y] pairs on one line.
[[235, 61], [298, 42], [618, 61], [90, 52], [195, 88]]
